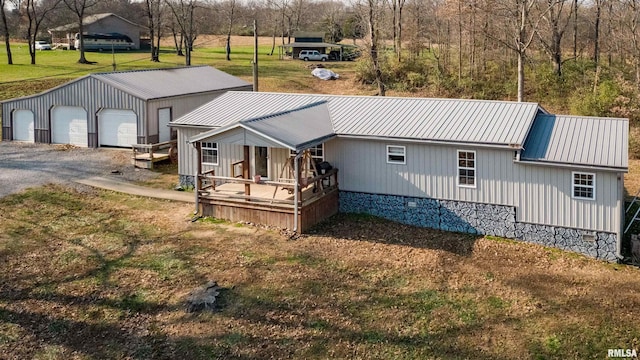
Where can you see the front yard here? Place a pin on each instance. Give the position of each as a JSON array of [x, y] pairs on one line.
[[90, 274]]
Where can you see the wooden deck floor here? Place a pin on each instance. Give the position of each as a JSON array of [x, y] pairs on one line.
[[260, 191]]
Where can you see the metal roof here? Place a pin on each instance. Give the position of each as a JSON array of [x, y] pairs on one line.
[[497, 123], [88, 20], [296, 129], [311, 45], [578, 140], [162, 83]]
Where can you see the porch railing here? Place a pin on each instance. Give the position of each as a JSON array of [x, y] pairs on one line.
[[209, 184]]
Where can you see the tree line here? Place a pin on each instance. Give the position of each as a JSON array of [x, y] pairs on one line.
[[462, 40]]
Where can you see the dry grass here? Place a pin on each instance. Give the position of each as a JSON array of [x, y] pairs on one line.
[[100, 275]]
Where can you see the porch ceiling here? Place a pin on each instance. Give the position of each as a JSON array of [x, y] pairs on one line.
[[296, 129]]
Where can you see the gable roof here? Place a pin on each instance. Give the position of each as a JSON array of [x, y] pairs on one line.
[[91, 19], [494, 123], [578, 140], [294, 129], [161, 83]]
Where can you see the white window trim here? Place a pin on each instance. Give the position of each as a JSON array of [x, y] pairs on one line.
[[474, 168], [404, 155], [321, 146], [573, 186], [202, 148]]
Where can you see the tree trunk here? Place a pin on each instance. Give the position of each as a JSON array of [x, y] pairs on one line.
[[83, 59], [596, 33], [151, 24], [521, 76], [575, 29], [374, 48], [5, 33]]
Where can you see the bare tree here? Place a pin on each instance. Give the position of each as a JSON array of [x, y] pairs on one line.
[[5, 31], [374, 9], [519, 26], [596, 30], [154, 17], [553, 16], [183, 12], [229, 10], [36, 13], [79, 8]]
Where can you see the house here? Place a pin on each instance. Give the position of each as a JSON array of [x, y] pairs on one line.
[[114, 109], [482, 167], [310, 41], [106, 23]]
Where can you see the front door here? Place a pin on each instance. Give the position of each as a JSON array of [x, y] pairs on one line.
[[261, 161]]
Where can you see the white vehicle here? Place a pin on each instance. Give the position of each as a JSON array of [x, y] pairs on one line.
[[42, 45], [105, 42], [314, 55]]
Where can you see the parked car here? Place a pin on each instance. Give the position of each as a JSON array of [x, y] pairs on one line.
[[314, 55], [42, 45]]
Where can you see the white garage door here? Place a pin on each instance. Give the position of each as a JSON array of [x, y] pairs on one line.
[[164, 131], [117, 128], [69, 126], [23, 125]]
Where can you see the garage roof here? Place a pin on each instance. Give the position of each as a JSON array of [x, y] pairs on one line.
[[162, 83]]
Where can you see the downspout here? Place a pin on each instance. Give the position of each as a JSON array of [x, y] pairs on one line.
[[295, 194]]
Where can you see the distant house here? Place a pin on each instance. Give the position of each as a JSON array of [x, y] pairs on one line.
[[115, 109], [310, 41], [482, 167], [107, 23]]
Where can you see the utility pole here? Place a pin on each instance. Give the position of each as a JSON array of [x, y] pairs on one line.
[[255, 55]]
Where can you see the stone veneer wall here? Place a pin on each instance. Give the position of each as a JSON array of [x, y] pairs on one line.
[[476, 218], [187, 180]]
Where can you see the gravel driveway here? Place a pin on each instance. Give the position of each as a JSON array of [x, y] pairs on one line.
[[24, 165]]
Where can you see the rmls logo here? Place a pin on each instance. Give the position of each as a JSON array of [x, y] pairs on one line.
[[622, 353]]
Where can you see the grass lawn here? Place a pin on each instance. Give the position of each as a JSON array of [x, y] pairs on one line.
[[59, 66], [89, 274], [99, 275]]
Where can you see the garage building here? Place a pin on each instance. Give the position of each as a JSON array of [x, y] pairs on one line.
[[114, 109]]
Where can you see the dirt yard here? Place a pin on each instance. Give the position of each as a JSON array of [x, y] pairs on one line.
[[90, 274]]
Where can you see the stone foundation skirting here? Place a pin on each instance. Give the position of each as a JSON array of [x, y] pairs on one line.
[[477, 218], [187, 180]]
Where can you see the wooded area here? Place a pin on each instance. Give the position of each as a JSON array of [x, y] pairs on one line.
[[576, 55]]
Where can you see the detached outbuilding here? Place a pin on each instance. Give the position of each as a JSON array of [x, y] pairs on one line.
[[65, 35], [483, 167], [116, 109]]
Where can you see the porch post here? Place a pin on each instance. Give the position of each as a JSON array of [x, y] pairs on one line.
[[296, 193], [245, 170], [198, 180]]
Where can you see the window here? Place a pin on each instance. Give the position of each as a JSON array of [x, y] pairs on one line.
[[396, 154], [317, 152], [467, 168], [584, 185], [209, 153]]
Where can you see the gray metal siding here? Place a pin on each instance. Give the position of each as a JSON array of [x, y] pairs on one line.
[[540, 194], [88, 93], [179, 106], [188, 156]]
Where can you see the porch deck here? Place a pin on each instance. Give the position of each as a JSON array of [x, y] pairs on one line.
[[269, 202], [146, 155]]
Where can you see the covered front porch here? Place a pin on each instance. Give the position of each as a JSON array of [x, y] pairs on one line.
[[300, 194]]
